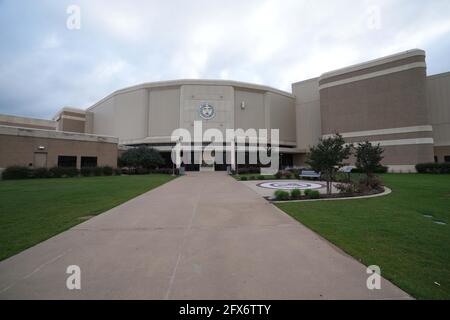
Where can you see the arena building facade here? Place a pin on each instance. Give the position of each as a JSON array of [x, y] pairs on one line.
[[390, 101]]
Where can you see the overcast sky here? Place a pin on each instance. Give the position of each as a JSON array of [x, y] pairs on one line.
[[44, 65]]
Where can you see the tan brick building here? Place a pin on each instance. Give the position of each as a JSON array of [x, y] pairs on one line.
[[390, 101]]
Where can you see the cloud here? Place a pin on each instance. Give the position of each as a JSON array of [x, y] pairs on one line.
[[121, 43]]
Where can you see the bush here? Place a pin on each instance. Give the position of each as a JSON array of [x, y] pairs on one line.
[[41, 173], [260, 177], [117, 172], [307, 192], [314, 194], [296, 193], [278, 175], [141, 171], [16, 172], [437, 168], [60, 172], [252, 178], [163, 170], [249, 170], [244, 178], [350, 187], [97, 171], [380, 169], [281, 195], [87, 172], [107, 171], [142, 156]]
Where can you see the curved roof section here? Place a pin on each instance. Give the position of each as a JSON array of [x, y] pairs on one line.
[[180, 82]]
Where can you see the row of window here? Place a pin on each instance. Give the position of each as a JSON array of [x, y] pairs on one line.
[[71, 162], [446, 159]]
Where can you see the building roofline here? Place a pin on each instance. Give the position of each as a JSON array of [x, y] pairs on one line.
[[28, 120], [307, 80], [180, 82], [55, 134], [68, 109], [439, 75], [374, 62]]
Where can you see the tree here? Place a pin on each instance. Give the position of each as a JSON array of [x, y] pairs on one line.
[[327, 156], [141, 157], [368, 158]]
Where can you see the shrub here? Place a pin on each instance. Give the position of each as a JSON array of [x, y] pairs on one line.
[[244, 178], [87, 172], [296, 193], [314, 194], [378, 170], [60, 172], [97, 171], [278, 175], [437, 168], [117, 171], [287, 175], [16, 172], [107, 171], [350, 187], [163, 170], [252, 178], [142, 156], [260, 177], [307, 192], [40, 173], [141, 171], [281, 195]]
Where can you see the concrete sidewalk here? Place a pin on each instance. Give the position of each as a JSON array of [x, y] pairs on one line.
[[201, 236]]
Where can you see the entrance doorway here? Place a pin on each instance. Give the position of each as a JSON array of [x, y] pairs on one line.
[[208, 162], [40, 160]]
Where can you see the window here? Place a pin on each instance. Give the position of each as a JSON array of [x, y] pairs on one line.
[[446, 158], [67, 161], [88, 162]]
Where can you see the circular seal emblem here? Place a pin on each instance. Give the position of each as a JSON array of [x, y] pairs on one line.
[[289, 185], [206, 111]]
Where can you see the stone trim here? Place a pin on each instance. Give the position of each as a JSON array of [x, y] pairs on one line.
[[374, 74], [52, 134], [375, 62], [378, 132], [403, 142]]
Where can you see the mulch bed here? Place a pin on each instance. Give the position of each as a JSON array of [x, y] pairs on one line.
[[333, 196]]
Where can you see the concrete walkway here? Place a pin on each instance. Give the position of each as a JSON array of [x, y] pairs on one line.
[[202, 236]]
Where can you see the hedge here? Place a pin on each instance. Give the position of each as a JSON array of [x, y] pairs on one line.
[[433, 167], [16, 172], [21, 172], [381, 169]]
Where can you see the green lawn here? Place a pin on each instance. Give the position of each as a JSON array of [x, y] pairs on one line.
[[34, 210], [392, 232]]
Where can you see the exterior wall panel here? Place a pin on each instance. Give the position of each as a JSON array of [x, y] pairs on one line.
[[20, 150], [438, 94], [307, 108], [164, 111], [282, 117], [253, 115]]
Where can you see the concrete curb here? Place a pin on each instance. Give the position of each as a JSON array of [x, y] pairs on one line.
[[385, 193]]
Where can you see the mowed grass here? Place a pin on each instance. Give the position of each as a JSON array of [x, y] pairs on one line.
[[392, 231], [32, 211]]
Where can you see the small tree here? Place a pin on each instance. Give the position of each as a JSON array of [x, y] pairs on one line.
[[327, 156], [141, 157], [368, 158]]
